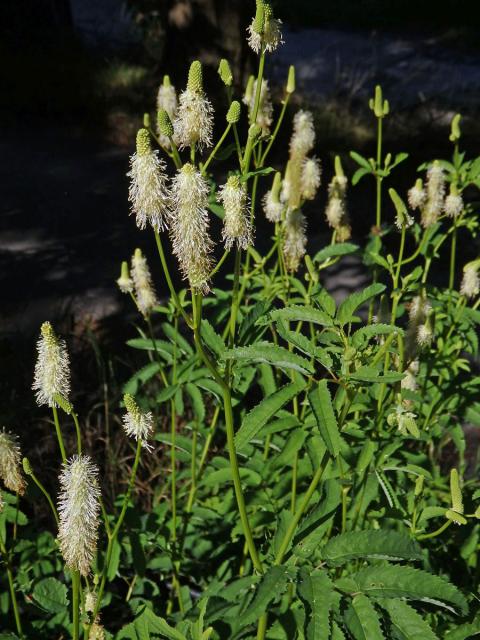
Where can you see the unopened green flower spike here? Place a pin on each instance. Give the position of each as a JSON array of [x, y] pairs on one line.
[[456, 492], [455, 133], [233, 114], [195, 77], [166, 81], [146, 120], [378, 105], [291, 79], [419, 486], [143, 142], [63, 403], [165, 125], [27, 467], [338, 167], [258, 24], [225, 72], [254, 131], [276, 186], [249, 89]]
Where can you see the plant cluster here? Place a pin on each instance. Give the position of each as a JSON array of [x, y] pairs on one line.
[[315, 481]]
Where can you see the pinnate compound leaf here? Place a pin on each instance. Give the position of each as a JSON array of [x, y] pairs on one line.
[[406, 621], [321, 403], [265, 410], [396, 581], [375, 544], [271, 354], [362, 619], [337, 633], [315, 590], [355, 300]]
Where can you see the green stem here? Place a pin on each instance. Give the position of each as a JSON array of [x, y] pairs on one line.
[[229, 423], [301, 510], [79, 433], [11, 586], [59, 434], [113, 536], [216, 148], [453, 249], [218, 265], [168, 278], [75, 604], [276, 130], [46, 494], [437, 532], [378, 177], [175, 155]]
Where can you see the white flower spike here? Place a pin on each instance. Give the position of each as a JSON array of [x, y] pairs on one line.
[[52, 370]]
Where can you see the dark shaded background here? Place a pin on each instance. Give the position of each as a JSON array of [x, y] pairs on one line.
[[76, 78]]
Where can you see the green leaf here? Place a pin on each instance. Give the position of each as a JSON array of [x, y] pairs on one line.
[[272, 585], [321, 403], [211, 338], [396, 581], [337, 633], [298, 313], [372, 331], [378, 544], [197, 401], [177, 339], [406, 621], [367, 374], [335, 250], [355, 300], [147, 622], [362, 619], [315, 590], [258, 172], [363, 162], [51, 595], [140, 377], [265, 410], [271, 354]]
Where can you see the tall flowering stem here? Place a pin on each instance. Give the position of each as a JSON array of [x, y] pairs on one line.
[[112, 537]]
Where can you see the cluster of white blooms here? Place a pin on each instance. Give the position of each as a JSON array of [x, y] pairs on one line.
[[295, 239], [417, 195], [434, 204], [272, 204], [420, 330], [78, 508], [470, 286], [264, 32], [336, 210], [189, 225], [52, 370], [453, 206], [145, 295], [137, 424], [10, 463], [265, 106], [193, 124], [237, 226], [148, 192], [166, 101]]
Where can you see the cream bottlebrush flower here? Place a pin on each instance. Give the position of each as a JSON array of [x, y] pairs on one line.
[[265, 107], [125, 282], [435, 195], [453, 206], [10, 463], [410, 380], [264, 32], [310, 178], [78, 508], [336, 211], [142, 281], [417, 195], [148, 192], [137, 424], [470, 286], [193, 124], [97, 631], [90, 602], [52, 370], [167, 100], [272, 205], [303, 136], [295, 239], [189, 227], [237, 226], [424, 334]]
